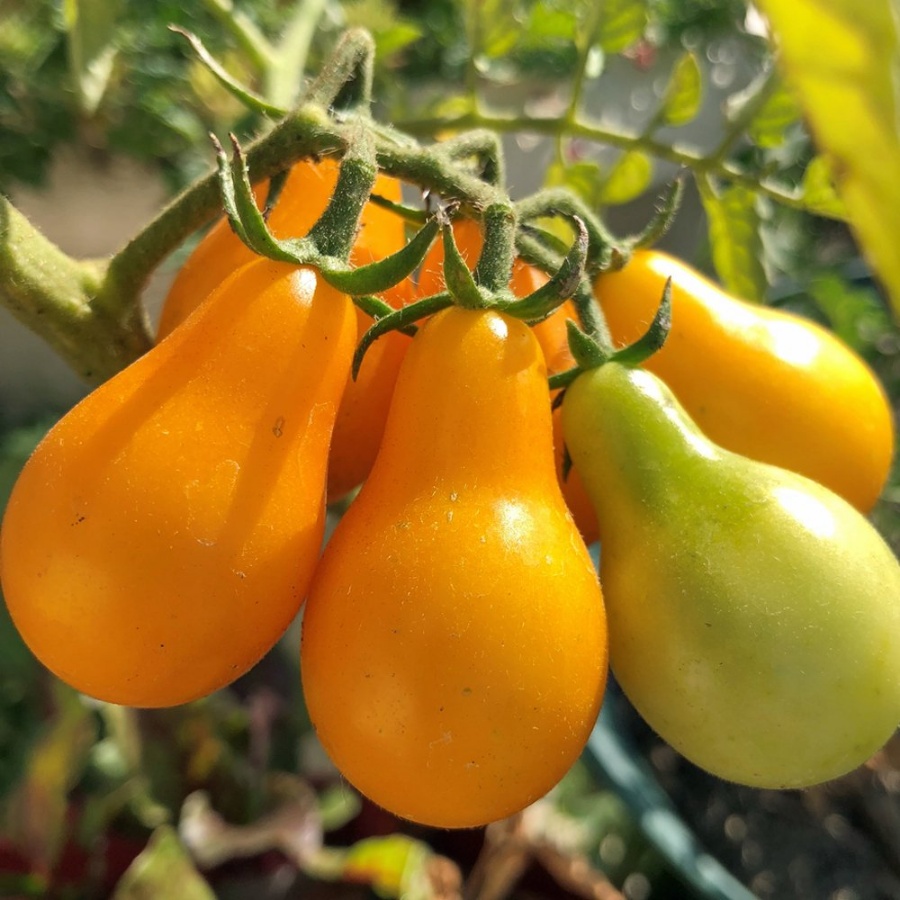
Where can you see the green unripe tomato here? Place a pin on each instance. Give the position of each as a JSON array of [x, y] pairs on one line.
[[754, 616]]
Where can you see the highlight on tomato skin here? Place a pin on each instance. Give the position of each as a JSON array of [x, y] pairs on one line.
[[759, 381], [306, 192], [468, 614], [163, 535], [551, 334]]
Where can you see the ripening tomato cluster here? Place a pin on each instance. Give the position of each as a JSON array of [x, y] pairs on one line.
[[455, 641]]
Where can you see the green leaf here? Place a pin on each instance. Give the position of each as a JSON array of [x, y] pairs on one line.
[[622, 24], [583, 178], [819, 192], [629, 178], [734, 238], [684, 92], [778, 113], [91, 27], [842, 58], [492, 27], [163, 869]]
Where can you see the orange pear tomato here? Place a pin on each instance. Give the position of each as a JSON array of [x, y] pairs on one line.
[[759, 381], [552, 335], [454, 640], [360, 420], [164, 533]]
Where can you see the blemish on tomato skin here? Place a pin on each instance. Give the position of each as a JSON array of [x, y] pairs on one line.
[[278, 427]]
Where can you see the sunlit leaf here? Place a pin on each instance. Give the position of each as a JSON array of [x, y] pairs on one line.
[[91, 27], [819, 192], [622, 24], [842, 58], [629, 178], [684, 92], [735, 239], [492, 26], [163, 869], [855, 314], [550, 21], [394, 866], [583, 178], [769, 126]]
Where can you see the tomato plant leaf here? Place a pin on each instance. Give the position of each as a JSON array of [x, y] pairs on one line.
[[622, 24], [492, 27], [684, 92], [163, 869], [842, 58], [735, 239], [91, 27], [778, 113], [819, 193], [583, 178], [629, 178]]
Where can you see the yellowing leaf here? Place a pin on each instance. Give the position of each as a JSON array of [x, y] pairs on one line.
[[819, 194], [163, 869], [681, 101], [842, 58]]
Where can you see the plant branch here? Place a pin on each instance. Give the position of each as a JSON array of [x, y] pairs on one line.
[[690, 158], [61, 299]]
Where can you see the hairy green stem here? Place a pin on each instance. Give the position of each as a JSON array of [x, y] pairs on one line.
[[683, 156], [62, 299]]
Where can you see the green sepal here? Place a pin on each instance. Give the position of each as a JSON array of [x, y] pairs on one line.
[[407, 213], [588, 354], [376, 308], [653, 338], [273, 193], [560, 202], [560, 381], [482, 145], [249, 99], [459, 280], [245, 218], [399, 320], [667, 207], [564, 282], [384, 273]]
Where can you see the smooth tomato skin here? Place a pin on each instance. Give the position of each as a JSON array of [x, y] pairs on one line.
[[754, 615], [453, 648], [551, 334], [759, 381], [364, 407], [363, 410], [163, 534]]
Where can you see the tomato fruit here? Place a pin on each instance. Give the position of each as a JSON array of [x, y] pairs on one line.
[[759, 381], [363, 409], [551, 334], [163, 534], [754, 616], [454, 648], [303, 199]]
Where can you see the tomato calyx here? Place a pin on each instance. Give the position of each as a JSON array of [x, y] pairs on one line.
[[468, 289], [591, 353], [330, 240]]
